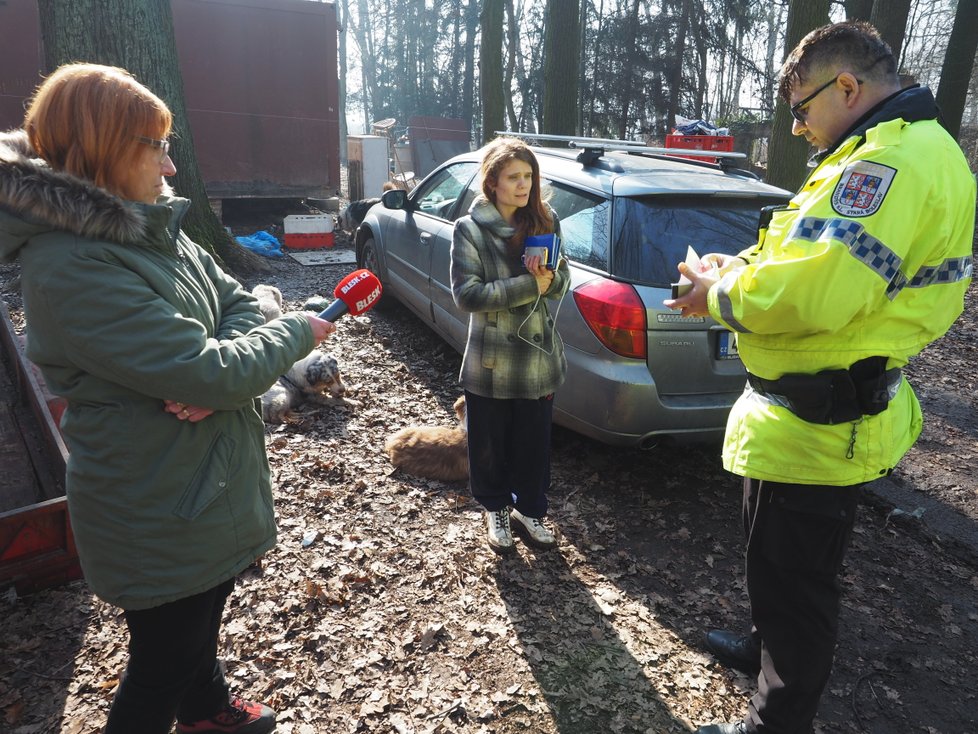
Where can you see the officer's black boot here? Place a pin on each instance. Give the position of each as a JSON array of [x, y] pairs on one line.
[[734, 650]]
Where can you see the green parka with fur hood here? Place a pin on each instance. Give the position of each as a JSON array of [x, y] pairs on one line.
[[124, 311]]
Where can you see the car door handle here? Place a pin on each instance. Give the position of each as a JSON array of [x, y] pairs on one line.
[[425, 238]]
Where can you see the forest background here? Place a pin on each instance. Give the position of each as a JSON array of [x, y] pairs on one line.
[[625, 69]]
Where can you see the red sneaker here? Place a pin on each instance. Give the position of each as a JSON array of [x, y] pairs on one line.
[[238, 716]]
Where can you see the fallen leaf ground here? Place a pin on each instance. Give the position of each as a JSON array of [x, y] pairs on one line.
[[383, 610]]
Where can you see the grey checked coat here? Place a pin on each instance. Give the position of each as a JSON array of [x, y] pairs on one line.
[[504, 357]]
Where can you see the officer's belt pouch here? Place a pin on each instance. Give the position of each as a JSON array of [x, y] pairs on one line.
[[833, 396]]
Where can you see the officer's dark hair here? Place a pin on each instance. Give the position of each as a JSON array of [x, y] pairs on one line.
[[853, 46]]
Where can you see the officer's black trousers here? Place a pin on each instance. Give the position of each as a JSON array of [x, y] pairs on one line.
[[797, 537]]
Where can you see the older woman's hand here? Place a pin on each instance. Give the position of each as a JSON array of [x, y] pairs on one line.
[[320, 327], [184, 412]]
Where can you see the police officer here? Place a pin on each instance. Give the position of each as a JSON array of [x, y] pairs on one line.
[[866, 265]]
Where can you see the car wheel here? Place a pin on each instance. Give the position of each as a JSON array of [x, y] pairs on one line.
[[367, 258]]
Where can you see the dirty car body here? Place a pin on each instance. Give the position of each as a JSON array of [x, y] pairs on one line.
[[637, 372]]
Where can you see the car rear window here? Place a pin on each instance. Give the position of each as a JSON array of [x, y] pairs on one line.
[[651, 234], [583, 223]]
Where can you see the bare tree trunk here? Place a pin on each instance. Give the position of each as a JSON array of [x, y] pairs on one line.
[[629, 51], [676, 73], [343, 21], [137, 35], [700, 106], [581, 63], [531, 114], [468, 91], [368, 61], [959, 61], [513, 53], [407, 74], [524, 83], [730, 78], [788, 154], [561, 58], [598, 45], [737, 78], [890, 19], [859, 9], [491, 69], [774, 16], [431, 99], [454, 85]]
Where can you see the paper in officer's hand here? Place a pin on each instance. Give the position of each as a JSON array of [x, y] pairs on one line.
[[685, 284]]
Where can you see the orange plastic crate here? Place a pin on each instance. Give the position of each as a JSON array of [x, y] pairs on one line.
[[722, 143]]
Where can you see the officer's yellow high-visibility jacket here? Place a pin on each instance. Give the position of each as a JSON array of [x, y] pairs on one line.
[[871, 258]]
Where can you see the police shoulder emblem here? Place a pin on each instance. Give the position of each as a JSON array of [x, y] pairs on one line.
[[862, 188]]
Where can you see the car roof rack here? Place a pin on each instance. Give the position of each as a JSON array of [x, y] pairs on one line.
[[593, 148]]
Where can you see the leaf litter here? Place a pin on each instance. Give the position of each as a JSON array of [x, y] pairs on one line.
[[381, 609]]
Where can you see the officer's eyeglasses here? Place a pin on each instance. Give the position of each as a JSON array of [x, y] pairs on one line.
[[801, 114], [163, 145]]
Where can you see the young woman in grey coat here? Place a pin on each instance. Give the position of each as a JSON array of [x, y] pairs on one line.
[[159, 355], [514, 358]]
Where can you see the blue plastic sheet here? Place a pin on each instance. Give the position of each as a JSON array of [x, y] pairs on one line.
[[696, 127], [262, 243]]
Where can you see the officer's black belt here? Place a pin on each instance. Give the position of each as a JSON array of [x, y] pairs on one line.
[[833, 396]]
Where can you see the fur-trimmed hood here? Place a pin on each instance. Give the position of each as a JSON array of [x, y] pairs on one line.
[[36, 199]]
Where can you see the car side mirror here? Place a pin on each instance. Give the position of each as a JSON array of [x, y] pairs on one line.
[[395, 199]]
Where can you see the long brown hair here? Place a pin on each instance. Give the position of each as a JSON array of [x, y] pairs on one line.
[[85, 119], [535, 217]]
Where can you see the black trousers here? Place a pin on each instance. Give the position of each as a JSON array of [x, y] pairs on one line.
[[797, 537], [173, 671], [509, 452]]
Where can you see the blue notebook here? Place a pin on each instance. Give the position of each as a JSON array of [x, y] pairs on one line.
[[547, 246]]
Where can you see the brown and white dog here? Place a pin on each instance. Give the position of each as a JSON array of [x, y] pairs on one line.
[[314, 379], [432, 452]]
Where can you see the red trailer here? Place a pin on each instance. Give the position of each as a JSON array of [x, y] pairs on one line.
[[37, 548], [260, 83]]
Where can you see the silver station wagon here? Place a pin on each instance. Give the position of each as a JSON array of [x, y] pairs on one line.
[[637, 372]]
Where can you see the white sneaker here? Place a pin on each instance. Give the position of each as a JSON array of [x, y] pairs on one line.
[[533, 531], [499, 534]]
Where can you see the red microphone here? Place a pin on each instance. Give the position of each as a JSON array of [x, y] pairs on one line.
[[357, 293]]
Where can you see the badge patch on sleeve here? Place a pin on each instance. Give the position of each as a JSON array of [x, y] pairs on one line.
[[862, 188]]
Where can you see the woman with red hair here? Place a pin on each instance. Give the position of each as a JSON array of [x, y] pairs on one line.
[[159, 355]]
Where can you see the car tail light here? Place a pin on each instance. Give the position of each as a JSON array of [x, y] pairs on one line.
[[616, 315]]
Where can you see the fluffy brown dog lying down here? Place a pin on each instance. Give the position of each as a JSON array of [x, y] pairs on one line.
[[314, 379], [432, 452]]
